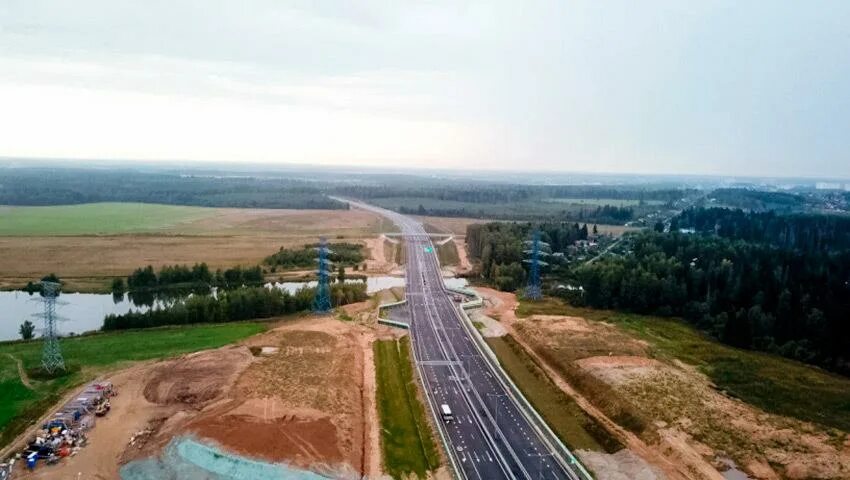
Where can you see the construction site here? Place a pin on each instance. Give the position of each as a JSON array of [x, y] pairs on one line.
[[298, 398], [297, 401]]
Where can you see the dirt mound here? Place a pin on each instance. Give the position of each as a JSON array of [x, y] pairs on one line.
[[195, 379], [619, 369], [693, 425], [302, 442], [560, 323]]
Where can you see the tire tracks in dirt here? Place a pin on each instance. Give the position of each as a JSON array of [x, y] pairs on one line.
[[25, 379]]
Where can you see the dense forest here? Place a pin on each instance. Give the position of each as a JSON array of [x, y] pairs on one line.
[[545, 211], [342, 253], [54, 186], [759, 200], [500, 247], [791, 301], [234, 305], [511, 193], [197, 274], [803, 231]]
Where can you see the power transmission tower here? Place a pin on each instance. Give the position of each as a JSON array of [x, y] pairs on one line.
[[322, 300], [534, 290], [51, 356]]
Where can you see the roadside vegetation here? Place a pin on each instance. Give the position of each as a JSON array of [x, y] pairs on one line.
[[407, 441], [769, 382], [447, 253], [574, 427], [23, 399]]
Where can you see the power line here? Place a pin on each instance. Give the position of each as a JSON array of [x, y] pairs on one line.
[[322, 300]]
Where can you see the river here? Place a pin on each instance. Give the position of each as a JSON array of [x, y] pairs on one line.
[[83, 312]]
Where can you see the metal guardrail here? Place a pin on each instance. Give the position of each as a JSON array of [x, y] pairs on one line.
[[529, 411], [393, 323], [477, 302]]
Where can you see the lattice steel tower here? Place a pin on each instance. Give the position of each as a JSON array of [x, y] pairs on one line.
[[534, 290], [51, 356], [322, 300]]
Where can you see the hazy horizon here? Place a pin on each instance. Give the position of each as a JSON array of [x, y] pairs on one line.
[[657, 88]]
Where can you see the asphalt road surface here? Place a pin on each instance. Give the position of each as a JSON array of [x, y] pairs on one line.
[[490, 437]]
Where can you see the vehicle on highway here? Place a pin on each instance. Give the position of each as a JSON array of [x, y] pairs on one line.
[[446, 413]]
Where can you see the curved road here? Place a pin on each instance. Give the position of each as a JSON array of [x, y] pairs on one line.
[[492, 436]]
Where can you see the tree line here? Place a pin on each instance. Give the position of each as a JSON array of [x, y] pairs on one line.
[[605, 214], [759, 200], [25, 186], [342, 253], [234, 305], [197, 274], [791, 301], [805, 232], [500, 247], [487, 193]]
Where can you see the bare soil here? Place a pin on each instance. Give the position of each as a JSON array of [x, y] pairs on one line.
[[382, 253], [694, 426], [310, 403]]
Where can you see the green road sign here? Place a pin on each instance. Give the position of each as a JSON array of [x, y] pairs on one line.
[[428, 249]]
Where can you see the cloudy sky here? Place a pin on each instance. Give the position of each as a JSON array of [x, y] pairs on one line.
[[674, 86]]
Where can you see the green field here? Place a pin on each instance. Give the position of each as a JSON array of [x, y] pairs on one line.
[[20, 406], [407, 441], [96, 218], [772, 383], [570, 423]]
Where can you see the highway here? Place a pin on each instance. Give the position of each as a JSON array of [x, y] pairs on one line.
[[491, 436]]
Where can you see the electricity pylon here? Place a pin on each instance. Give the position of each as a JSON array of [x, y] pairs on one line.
[[322, 300], [534, 290], [51, 356]]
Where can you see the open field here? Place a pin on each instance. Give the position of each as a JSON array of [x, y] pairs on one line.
[[406, 437], [453, 225], [97, 218], [691, 399], [221, 237], [20, 405]]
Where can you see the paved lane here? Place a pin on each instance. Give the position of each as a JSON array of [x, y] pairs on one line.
[[491, 437]]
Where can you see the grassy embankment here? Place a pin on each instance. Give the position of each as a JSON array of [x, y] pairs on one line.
[[89, 356], [771, 383], [447, 253], [407, 441], [570, 423]]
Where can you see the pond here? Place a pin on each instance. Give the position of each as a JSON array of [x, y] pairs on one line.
[[83, 312]]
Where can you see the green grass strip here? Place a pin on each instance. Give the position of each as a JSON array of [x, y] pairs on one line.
[[406, 438]]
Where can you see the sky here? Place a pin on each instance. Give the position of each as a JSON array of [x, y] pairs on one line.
[[708, 87]]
